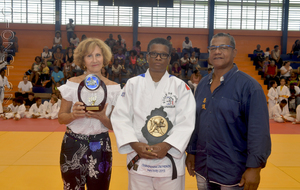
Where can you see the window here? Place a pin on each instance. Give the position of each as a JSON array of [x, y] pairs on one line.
[[248, 14], [89, 13], [184, 14], [28, 11], [294, 15]]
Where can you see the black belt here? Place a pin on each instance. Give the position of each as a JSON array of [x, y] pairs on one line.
[[132, 163]]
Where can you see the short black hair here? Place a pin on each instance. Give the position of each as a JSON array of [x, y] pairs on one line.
[[161, 41], [283, 101], [169, 37], [138, 43], [37, 98], [272, 82], [31, 93], [267, 49], [20, 100], [3, 69], [276, 46], [37, 58]]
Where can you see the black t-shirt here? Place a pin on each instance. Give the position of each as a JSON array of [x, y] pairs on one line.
[[29, 103], [174, 58]]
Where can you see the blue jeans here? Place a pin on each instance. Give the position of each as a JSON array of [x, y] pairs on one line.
[[202, 184]]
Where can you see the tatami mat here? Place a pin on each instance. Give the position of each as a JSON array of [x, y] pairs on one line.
[[30, 149]]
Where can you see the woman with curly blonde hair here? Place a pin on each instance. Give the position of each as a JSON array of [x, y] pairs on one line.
[[86, 156]]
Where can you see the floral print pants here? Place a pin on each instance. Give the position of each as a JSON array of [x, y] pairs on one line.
[[86, 160]]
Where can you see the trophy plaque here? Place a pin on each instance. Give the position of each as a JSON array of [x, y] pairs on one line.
[[92, 93], [157, 126]]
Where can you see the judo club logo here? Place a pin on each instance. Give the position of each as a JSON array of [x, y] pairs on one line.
[[169, 100]]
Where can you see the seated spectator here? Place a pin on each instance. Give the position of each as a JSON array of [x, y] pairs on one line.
[[56, 76], [57, 42], [296, 48], [193, 61], [279, 114], [141, 65], [122, 42], [52, 112], [58, 58], [169, 38], [286, 70], [176, 69], [258, 59], [36, 70], [67, 71], [132, 62], [110, 41], [271, 73], [293, 79], [187, 46], [275, 55], [137, 48], [47, 56], [83, 37], [57, 95], [20, 111], [267, 52], [184, 63], [116, 71], [74, 40], [69, 55], [120, 57], [174, 57], [117, 47], [104, 72], [29, 101], [295, 94], [195, 79], [45, 74], [76, 70], [266, 64], [37, 110], [24, 88]]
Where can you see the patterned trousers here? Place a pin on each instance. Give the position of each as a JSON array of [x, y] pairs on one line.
[[86, 160]]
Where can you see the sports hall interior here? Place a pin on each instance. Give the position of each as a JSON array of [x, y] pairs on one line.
[[30, 149]]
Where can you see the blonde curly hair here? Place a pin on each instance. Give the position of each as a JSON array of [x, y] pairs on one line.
[[86, 47]]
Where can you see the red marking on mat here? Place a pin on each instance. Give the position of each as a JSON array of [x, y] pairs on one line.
[[187, 87], [46, 125]]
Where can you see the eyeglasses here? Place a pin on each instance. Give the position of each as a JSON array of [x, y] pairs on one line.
[[162, 55], [221, 47]]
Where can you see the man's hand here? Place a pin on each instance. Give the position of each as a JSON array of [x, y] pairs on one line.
[[161, 149], [250, 179], [143, 150], [190, 164]]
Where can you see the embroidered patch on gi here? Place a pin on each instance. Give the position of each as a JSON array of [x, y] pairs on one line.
[[169, 100], [123, 94]]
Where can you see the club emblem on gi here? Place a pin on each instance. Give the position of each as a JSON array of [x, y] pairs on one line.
[[92, 83], [157, 126]]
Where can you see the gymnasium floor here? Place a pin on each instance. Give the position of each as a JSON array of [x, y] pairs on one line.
[[29, 157]]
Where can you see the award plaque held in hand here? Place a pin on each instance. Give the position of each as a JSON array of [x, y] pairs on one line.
[[94, 88]]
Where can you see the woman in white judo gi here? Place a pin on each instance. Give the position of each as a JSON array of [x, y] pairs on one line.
[[146, 103], [3, 82], [86, 155], [273, 96]]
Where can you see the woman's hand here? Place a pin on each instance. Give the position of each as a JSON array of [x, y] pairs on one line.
[[78, 110], [97, 115]]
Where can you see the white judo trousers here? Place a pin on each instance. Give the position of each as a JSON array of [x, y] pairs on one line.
[[138, 98], [20, 113]]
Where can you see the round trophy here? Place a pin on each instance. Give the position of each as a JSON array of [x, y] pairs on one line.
[[92, 93]]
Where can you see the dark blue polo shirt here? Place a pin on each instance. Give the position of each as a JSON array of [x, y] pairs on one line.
[[232, 128]]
